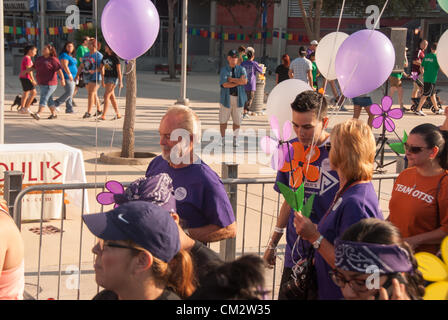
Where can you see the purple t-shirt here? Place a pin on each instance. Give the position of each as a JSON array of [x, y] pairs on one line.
[[358, 202], [325, 189], [200, 195], [252, 67]]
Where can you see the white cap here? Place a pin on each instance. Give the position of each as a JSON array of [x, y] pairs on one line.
[[250, 49], [314, 42]]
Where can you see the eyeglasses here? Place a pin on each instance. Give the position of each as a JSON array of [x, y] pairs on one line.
[[414, 149], [356, 285], [105, 243]]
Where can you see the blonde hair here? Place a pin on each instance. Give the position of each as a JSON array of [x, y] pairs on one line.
[[188, 120], [353, 150]]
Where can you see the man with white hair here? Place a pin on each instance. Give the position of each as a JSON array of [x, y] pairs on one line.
[[201, 200]]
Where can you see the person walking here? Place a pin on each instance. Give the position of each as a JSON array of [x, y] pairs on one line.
[[111, 74], [252, 68], [68, 63], [396, 84], [91, 69], [430, 68], [46, 67], [419, 55], [80, 52], [301, 68], [282, 71], [27, 79], [233, 78]]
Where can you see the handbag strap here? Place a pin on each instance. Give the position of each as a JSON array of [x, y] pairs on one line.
[[439, 185]]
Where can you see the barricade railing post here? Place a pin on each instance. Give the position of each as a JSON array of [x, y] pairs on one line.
[[13, 186], [227, 249]]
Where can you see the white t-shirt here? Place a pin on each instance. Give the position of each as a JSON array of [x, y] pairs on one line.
[[300, 67]]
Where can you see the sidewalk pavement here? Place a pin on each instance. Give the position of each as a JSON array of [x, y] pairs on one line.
[[93, 138]]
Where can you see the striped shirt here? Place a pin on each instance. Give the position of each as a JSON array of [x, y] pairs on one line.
[[300, 68]]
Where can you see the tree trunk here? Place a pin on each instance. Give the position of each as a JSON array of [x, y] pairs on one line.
[[317, 20], [171, 44], [127, 148], [306, 19]]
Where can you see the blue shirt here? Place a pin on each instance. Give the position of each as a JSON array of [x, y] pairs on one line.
[[200, 195], [92, 62], [72, 64], [226, 72], [324, 188], [356, 203]]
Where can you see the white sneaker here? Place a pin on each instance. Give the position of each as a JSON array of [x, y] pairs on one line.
[[58, 109], [235, 143], [440, 111], [421, 113]]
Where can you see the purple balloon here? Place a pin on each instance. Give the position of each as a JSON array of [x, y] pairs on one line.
[[364, 62], [130, 27]]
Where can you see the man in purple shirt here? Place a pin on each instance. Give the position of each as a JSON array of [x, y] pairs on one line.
[[252, 67], [201, 200]]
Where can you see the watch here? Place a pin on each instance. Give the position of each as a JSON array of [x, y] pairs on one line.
[[316, 244]]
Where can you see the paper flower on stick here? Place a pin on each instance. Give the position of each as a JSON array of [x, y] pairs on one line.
[[301, 165], [414, 75], [436, 271], [115, 188], [398, 147], [279, 146], [295, 199], [385, 114]]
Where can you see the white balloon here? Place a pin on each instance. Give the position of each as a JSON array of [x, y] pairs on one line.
[[442, 52], [326, 53], [281, 97]]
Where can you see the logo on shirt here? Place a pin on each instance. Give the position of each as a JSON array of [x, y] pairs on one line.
[[414, 193], [180, 193]]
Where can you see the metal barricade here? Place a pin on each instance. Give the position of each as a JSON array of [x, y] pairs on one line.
[[256, 207]]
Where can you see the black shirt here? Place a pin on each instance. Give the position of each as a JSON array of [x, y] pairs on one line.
[[110, 66], [167, 294], [282, 73], [234, 90], [204, 259]]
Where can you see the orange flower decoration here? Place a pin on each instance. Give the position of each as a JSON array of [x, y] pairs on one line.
[[301, 165]]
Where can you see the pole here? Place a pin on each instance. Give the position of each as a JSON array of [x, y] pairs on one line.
[[279, 50], [183, 82], [2, 76], [42, 25]]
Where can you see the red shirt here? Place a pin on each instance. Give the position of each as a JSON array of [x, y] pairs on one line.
[[46, 70], [26, 63], [419, 55]]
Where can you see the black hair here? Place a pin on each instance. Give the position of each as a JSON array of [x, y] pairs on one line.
[[64, 48], [27, 49], [302, 51], [434, 46], [241, 49], [377, 231], [249, 54], [434, 137], [242, 279], [310, 101]]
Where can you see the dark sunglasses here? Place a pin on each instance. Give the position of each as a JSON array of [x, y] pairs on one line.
[[414, 149]]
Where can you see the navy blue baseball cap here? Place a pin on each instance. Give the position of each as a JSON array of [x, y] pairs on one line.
[[147, 224]]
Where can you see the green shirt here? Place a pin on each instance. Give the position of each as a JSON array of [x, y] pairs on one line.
[[314, 71], [80, 52], [431, 68], [398, 75]]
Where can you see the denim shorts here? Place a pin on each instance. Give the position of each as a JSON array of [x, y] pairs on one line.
[[113, 80], [46, 95], [96, 77], [362, 101]]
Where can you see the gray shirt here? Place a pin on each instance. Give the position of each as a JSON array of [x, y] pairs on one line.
[[300, 67]]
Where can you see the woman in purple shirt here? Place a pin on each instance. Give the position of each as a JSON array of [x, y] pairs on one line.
[[352, 156]]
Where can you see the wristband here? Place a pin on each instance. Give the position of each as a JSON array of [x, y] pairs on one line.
[[279, 230]]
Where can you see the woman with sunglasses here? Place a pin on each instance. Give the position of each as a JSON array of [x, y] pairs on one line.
[[373, 262], [419, 202], [138, 256]]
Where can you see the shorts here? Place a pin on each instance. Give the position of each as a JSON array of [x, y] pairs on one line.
[[96, 77], [362, 101], [250, 99], [46, 95], [416, 86], [113, 80], [429, 89], [395, 82], [237, 113], [27, 85]]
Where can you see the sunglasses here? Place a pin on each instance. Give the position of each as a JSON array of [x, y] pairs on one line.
[[414, 149], [105, 243]]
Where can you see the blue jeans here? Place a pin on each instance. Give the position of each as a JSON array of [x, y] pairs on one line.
[[67, 96], [46, 95]]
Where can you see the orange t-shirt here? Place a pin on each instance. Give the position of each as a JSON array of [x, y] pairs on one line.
[[413, 205]]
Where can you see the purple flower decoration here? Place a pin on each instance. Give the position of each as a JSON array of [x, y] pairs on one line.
[[385, 114], [280, 149], [116, 190], [414, 75]]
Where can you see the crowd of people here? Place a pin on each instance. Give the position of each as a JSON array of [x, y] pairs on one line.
[[73, 69]]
